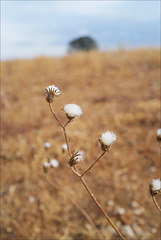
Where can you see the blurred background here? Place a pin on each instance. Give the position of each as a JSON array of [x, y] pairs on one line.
[[44, 28]]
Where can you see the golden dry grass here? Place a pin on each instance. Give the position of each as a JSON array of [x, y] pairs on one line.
[[117, 91]]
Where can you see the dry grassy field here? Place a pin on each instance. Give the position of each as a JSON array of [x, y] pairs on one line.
[[117, 91]]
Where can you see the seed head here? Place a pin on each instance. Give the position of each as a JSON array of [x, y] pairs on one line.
[[72, 111], [47, 145], [46, 166], [52, 91], [31, 199], [155, 187], [107, 139], [77, 157], [159, 135], [64, 147], [54, 163]]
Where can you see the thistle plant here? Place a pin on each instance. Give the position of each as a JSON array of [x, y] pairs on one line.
[[155, 189], [73, 111], [155, 184]]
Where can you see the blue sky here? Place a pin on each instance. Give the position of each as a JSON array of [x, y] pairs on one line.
[[44, 28]]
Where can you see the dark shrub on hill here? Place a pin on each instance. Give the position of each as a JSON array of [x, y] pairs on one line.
[[82, 44]]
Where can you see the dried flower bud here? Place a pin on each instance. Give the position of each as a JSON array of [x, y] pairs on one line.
[[155, 187], [159, 135], [54, 163], [77, 157], [46, 166], [107, 139], [52, 91], [47, 145], [64, 147], [72, 111]]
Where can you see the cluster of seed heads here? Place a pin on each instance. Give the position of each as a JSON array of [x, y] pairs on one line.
[[74, 111]]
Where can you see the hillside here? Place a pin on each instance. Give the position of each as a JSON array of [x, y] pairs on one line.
[[117, 91]]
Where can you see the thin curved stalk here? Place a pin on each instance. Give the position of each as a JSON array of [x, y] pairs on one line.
[[86, 215], [63, 127], [57, 119], [93, 164], [156, 204], [99, 206], [66, 140]]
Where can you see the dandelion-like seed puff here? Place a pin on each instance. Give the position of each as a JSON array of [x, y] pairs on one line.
[[54, 163], [159, 135], [52, 91], [46, 166], [107, 139], [47, 145], [72, 111], [155, 187], [64, 147]]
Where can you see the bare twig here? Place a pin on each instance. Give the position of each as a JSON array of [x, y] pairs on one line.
[[156, 204], [56, 184], [93, 164], [98, 204], [67, 123], [75, 171], [63, 127], [57, 119], [66, 139]]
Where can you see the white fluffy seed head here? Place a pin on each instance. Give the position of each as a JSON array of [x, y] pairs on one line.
[[46, 166], [54, 163], [72, 111], [47, 145], [159, 132], [52, 91], [159, 135], [107, 139], [64, 147], [155, 187]]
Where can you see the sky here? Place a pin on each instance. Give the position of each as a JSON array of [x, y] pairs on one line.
[[44, 28]]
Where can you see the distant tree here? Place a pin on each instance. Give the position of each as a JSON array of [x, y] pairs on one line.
[[82, 44]]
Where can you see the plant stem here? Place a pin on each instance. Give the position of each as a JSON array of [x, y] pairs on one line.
[[93, 164], [86, 215], [66, 140], [63, 127], [81, 176], [74, 170], [67, 123], [156, 204], [97, 203], [57, 119], [99, 206]]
